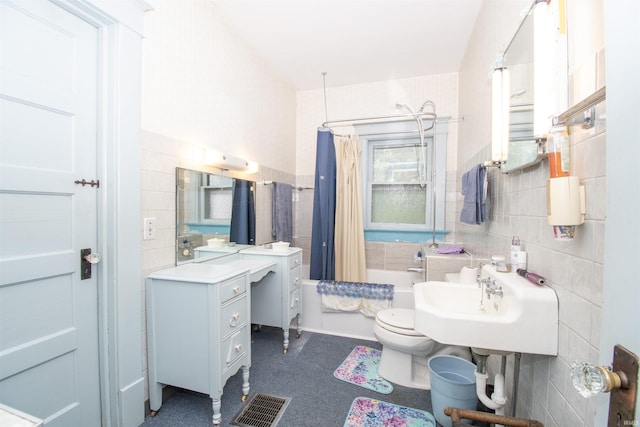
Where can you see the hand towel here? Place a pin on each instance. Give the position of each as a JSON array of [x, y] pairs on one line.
[[474, 208], [282, 213]]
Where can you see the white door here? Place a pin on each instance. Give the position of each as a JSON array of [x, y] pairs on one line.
[[48, 125]]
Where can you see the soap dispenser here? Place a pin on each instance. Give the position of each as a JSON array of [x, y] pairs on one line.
[[515, 250]]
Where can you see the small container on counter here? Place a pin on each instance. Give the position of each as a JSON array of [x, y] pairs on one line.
[[501, 264]]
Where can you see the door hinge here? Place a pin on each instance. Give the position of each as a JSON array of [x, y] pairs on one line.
[[84, 182]]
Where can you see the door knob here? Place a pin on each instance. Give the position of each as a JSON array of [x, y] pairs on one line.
[[590, 380], [620, 380], [86, 260], [93, 258]]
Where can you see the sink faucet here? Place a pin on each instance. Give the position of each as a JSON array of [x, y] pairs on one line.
[[492, 288], [481, 283]]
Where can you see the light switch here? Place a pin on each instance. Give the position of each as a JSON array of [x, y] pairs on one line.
[[149, 229]]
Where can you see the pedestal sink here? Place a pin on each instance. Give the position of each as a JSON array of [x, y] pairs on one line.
[[524, 319]]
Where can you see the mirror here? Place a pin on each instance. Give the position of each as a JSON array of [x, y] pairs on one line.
[[518, 58], [212, 206]]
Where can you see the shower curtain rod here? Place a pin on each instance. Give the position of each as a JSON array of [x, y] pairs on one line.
[[372, 120], [379, 119]]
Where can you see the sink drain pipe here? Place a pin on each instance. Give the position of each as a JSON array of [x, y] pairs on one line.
[[497, 399]]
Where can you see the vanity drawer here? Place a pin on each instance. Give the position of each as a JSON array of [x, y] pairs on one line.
[[295, 260], [234, 316], [295, 305], [295, 278], [234, 347], [233, 288]]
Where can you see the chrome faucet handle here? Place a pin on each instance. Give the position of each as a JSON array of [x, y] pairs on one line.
[[493, 289], [485, 281]]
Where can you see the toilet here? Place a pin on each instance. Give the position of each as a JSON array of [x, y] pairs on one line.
[[405, 352]]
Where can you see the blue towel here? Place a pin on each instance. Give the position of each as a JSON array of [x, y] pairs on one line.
[[282, 212], [474, 208]]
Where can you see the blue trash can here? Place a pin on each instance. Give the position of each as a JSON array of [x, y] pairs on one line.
[[453, 383]]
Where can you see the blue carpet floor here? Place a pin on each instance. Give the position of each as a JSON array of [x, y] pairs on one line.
[[304, 374]]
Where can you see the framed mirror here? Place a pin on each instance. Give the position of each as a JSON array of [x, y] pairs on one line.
[[210, 206], [518, 59], [537, 90]]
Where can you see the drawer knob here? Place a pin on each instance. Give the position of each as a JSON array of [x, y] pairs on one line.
[[236, 290], [238, 348], [234, 319]]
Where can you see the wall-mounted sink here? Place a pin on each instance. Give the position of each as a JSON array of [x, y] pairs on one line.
[[524, 319]]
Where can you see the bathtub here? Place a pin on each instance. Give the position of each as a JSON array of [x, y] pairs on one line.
[[354, 325]]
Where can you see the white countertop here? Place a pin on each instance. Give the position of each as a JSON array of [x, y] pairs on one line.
[[261, 250], [199, 272], [204, 272], [257, 269], [226, 248]]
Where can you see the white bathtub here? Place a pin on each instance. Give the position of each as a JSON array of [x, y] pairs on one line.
[[354, 325]]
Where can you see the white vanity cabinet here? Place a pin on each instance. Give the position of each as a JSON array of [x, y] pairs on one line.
[[277, 299], [198, 329]]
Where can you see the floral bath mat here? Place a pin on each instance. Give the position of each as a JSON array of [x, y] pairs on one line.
[[367, 412], [361, 368]]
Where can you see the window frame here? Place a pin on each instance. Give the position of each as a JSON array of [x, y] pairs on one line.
[[398, 134]]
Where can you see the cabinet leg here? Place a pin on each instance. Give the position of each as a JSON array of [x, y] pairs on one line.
[[286, 340], [245, 382], [155, 397], [217, 417], [298, 326]]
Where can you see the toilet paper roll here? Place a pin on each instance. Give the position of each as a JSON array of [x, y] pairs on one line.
[[468, 275]]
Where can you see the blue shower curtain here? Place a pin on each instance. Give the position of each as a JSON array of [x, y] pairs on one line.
[[322, 264], [243, 214]]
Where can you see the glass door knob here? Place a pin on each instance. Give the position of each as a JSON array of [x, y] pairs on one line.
[[590, 380], [93, 258]]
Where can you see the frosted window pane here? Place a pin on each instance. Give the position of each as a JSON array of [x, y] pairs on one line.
[[220, 203], [398, 204]]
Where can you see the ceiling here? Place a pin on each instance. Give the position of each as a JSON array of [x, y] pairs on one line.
[[353, 41]]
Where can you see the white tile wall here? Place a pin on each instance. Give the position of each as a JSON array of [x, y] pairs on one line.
[[203, 85], [518, 206]]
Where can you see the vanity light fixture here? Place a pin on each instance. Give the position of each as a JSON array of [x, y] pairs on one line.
[[543, 69], [228, 162], [252, 168], [500, 114]]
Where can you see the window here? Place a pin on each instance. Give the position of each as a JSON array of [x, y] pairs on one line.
[[398, 178], [397, 187]]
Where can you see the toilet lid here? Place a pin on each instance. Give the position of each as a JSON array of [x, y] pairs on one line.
[[398, 320]]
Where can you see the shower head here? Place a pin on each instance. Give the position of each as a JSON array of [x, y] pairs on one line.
[[402, 106], [425, 103]]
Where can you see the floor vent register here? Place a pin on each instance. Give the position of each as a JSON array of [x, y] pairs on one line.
[[263, 410]]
